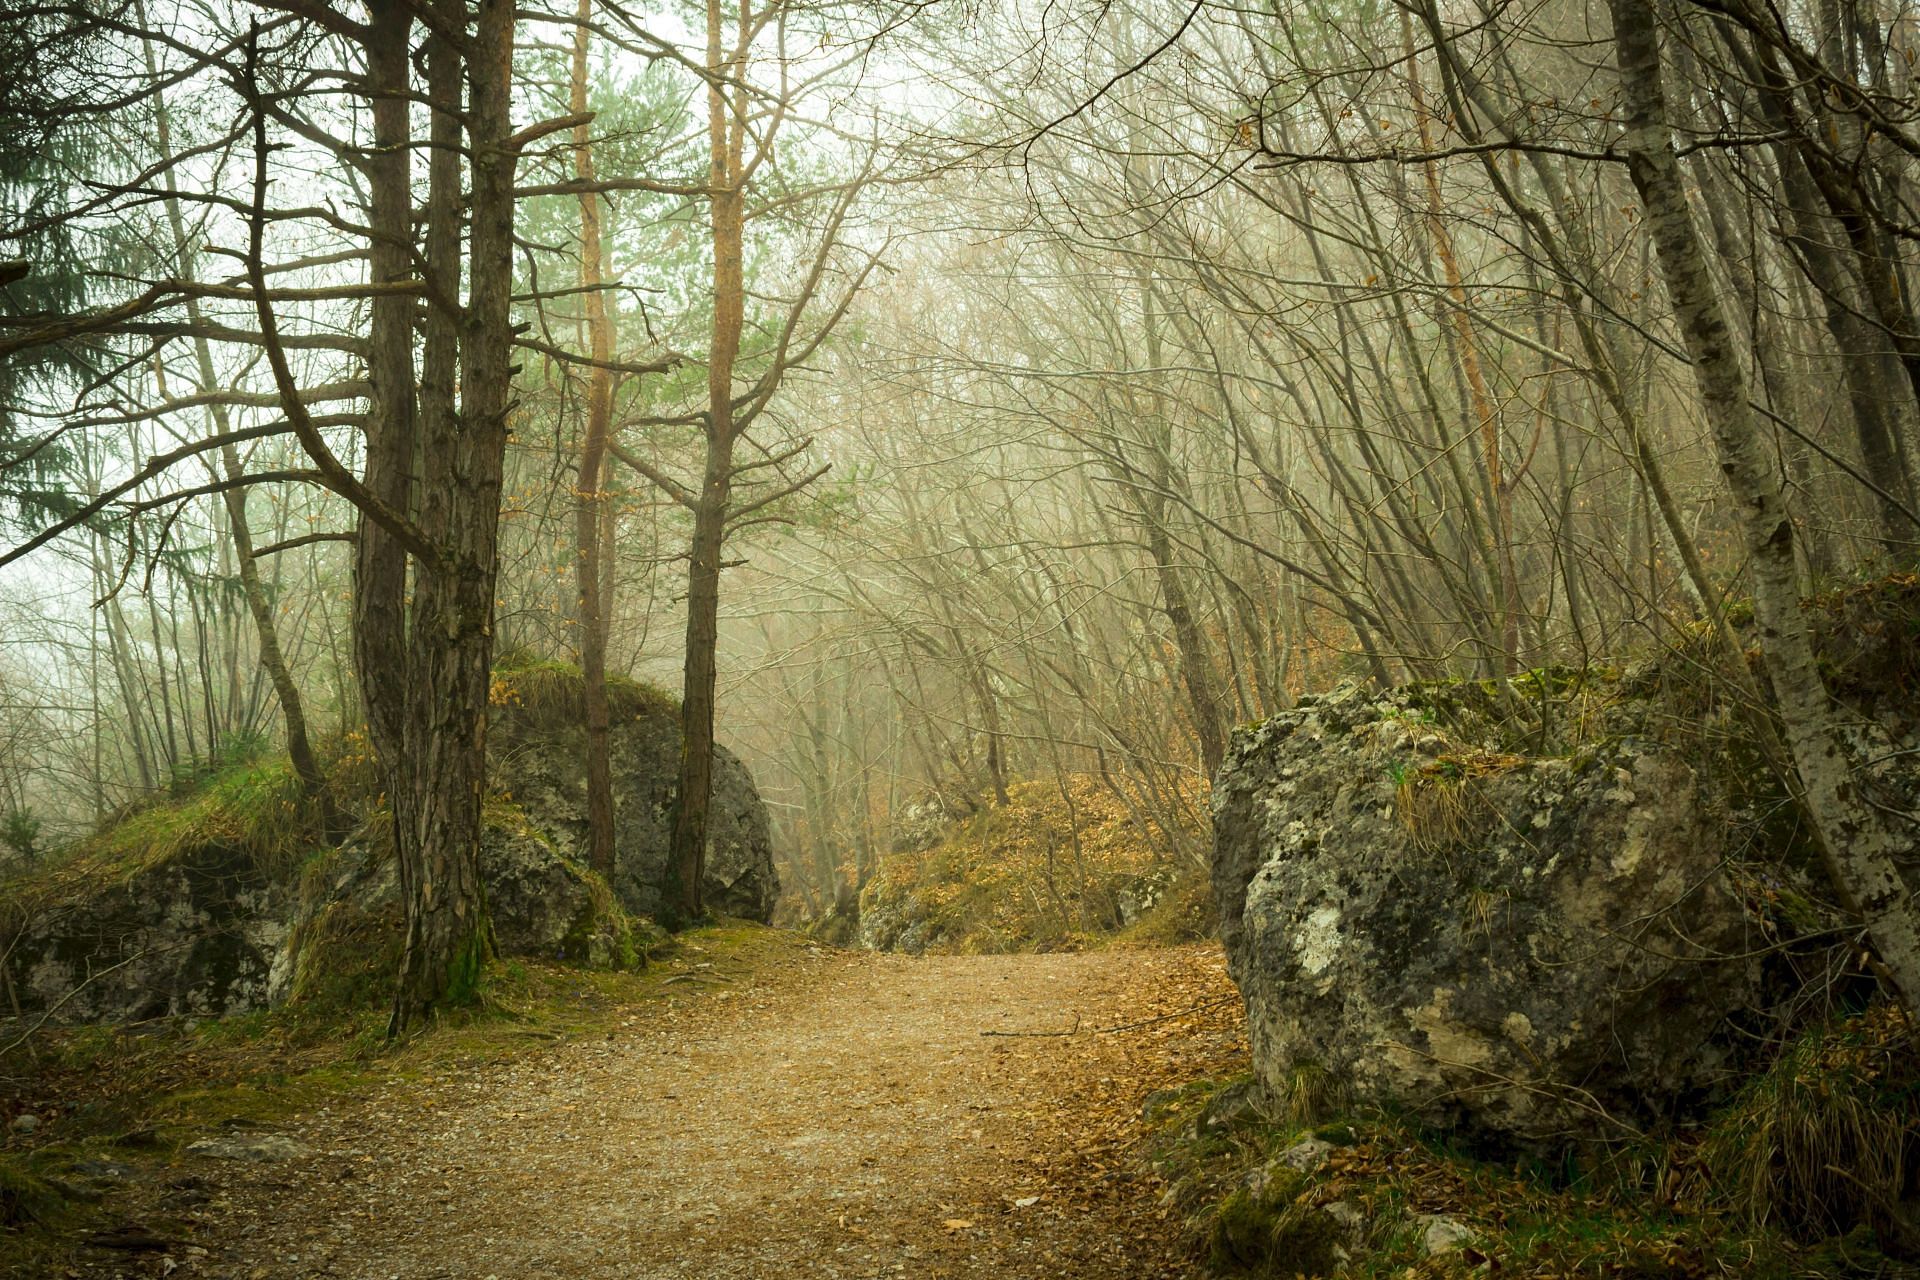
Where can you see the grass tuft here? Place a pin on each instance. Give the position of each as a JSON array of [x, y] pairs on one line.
[[1829, 1136]]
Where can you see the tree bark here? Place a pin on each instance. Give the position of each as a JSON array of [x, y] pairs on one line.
[[451, 634], [1856, 842], [726, 127], [593, 557]]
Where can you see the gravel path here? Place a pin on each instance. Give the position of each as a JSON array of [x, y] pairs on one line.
[[839, 1115]]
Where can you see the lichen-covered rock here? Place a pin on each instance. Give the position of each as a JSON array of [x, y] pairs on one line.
[[193, 935], [348, 926], [1516, 948], [540, 764]]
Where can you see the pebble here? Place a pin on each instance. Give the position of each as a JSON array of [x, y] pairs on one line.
[[25, 1122], [1441, 1234]]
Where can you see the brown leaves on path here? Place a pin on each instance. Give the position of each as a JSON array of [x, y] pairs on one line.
[[836, 1115]]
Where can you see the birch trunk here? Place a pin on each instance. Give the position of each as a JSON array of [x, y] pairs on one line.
[[1858, 846]]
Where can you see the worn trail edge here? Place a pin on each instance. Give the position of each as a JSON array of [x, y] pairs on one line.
[[835, 1114]]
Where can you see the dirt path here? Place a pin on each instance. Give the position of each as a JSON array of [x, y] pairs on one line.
[[839, 1115]]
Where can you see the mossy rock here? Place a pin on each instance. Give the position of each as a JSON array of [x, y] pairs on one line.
[[537, 760], [349, 929], [549, 694], [1269, 1230]]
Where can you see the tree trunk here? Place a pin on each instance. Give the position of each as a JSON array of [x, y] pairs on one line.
[[695, 791], [1486, 414], [590, 496], [1858, 846], [272, 661], [380, 562], [726, 124], [449, 643]]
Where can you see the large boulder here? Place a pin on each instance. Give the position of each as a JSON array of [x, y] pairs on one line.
[[193, 933], [349, 923], [190, 905], [539, 754], [1519, 949]]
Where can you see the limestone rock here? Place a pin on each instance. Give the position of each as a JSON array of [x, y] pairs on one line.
[[540, 765], [1508, 946], [348, 923], [211, 929], [1306, 1155], [250, 1148], [194, 935], [1441, 1234]]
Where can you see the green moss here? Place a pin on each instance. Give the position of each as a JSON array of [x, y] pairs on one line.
[[603, 935], [1246, 1215], [29, 1193], [1271, 1230], [466, 972], [257, 807], [345, 959], [547, 694]]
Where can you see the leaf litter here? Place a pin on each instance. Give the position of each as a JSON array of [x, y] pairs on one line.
[[841, 1115]]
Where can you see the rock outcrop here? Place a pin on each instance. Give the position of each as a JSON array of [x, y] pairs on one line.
[[193, 936], [1516, 948], [1064, 862], [348, 925], [222, 899], [538, 761]]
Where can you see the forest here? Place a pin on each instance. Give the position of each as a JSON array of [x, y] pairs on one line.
[[1138, 639]]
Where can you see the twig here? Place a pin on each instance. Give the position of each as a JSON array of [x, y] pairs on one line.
[[1177, 1013], [48, 1013], [1037, 1034]]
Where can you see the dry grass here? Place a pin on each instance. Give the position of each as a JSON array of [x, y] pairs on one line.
[[1829, 1136], [1043, 873], [1441, 805]]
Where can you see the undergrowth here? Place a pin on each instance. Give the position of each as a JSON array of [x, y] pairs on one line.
[[1809, 1173], [1046, 872], [548, 695]]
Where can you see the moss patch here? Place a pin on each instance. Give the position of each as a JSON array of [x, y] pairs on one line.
[[546, 694], [1273, 1230], [1665, 1207]]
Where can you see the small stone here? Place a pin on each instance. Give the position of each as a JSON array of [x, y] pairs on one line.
[[104, 1169], [25, 1122], [252, 1148], [1349, 1215], [1441, 1234], [1305, 1155]]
